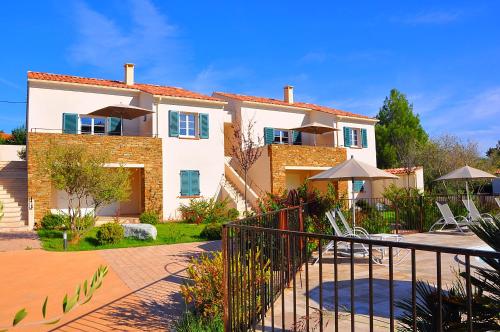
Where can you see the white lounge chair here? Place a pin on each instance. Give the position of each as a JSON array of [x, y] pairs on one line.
[[497, 199], [361, 231], [360, 249], [474, 213], [448, 219]]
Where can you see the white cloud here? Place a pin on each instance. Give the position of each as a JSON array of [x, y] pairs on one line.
[[213, 78], [150, 40], [430, 17], [475, 117]]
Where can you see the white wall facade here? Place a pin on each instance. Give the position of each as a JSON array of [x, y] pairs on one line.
[[10, 152], [47, 101], [203, 155]]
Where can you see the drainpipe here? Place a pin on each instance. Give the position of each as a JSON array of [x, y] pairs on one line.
[[157, 106]]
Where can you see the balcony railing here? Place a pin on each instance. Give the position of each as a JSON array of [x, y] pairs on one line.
[[79, 132], [271, 283]]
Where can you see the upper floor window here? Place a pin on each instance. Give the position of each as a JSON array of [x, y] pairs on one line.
[[190, 125], [280, 136], [355, 137], [355, 133], [74, 124], [93, 126], [187, 125]]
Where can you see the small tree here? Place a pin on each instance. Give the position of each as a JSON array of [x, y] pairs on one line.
[[81, 174], [245, 150], [397, 131]]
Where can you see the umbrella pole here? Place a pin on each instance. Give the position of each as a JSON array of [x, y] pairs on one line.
[[468, 198], [353, 209]]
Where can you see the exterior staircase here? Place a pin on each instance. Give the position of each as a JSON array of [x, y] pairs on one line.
[[234, 187], [13, 196]]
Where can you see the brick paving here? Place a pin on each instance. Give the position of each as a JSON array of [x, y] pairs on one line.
[[153, 275], [19, 241]]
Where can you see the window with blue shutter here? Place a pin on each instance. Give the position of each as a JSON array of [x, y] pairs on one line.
[[173, 124], [297, 137], [347, 137], [364, 138], [114, 126], [204, 129], [358, 186], [268, 135], [70, 123], [190, 183]]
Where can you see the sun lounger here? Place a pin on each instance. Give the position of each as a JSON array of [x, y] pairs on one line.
[[448, 219], [474, 213]]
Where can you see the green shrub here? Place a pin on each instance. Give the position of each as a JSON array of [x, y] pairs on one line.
[[85, 223], [109, 233], [208, 211], [190, 322], [212, 232], [149, 217], [53, 221]]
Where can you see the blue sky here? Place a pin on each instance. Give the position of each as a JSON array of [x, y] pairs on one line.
[[444, 55]]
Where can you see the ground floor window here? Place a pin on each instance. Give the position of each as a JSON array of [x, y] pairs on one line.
[[190, 183], [359, 186]]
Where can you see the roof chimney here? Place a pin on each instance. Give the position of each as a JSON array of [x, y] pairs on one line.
[[129, 73], [288, 94]]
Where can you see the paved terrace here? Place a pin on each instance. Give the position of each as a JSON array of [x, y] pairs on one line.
[[425, 267], [140, 292]]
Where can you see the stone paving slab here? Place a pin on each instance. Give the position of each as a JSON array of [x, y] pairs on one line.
[[10, 241]]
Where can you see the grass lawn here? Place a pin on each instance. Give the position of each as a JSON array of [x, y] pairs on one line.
[[168, 233]]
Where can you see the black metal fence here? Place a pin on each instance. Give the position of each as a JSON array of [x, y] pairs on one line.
[[410, 214], [272, 283]]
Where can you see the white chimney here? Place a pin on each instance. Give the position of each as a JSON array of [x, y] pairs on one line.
[[129, 73], [288, 94]]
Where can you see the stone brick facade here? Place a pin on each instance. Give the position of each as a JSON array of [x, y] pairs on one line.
[[122, 149], [302, 155]]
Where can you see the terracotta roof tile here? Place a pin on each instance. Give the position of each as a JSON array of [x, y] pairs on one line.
[[273, 101], [149, 88], [5, 136]]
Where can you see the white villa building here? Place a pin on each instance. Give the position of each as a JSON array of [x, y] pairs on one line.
[[175, 142]]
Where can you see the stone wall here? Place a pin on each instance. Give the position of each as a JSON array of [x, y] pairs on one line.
[[302, 155], [122, 149]]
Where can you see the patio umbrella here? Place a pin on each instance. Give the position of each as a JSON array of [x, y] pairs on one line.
[[353, 169], [122, 111], [466, 173], [316, 129]]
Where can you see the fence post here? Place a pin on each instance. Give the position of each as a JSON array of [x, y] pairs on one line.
[[225, 278], [421, 203], [397, 218]]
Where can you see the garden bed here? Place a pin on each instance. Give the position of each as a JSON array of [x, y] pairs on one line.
[[168, 233]]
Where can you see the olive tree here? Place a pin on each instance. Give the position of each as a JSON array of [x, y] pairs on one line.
[[82, 175]]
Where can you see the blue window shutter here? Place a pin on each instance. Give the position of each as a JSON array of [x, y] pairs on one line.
[[173, 124], [268, 135], [195, 183], [297, 137], [185, 183], [347, 137], [70, 123], [364, 138], [358, 186], [204, 129], [114, 126]]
